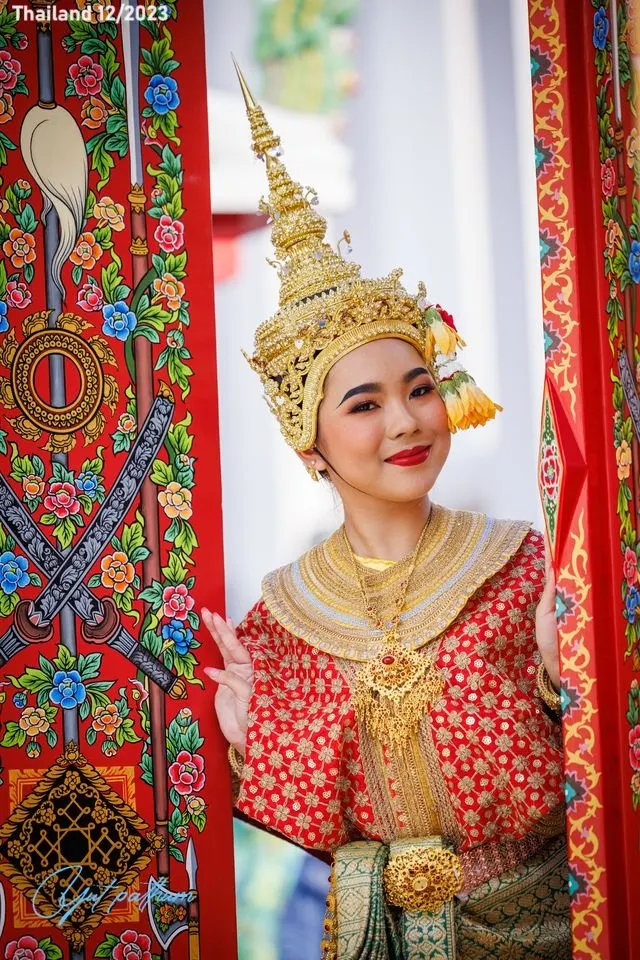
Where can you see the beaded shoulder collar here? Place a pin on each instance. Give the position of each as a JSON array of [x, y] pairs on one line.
[[317, 597]]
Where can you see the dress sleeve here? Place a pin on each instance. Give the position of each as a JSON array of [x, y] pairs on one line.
[[514, 596], [293, 778]]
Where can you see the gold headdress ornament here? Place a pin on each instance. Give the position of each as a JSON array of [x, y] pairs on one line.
[[327, 309]]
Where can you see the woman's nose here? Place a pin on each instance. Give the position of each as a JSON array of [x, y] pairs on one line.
[[400, 419]]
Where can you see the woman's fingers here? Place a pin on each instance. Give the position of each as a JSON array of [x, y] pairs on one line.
[[241, 688], [225, 637]]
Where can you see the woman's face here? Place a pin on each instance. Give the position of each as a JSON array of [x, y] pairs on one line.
[[380, 400]]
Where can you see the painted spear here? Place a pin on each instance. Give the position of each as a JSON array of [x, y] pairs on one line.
[[143, 357]]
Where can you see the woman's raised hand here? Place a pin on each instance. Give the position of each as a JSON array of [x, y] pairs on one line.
[[235, 680]]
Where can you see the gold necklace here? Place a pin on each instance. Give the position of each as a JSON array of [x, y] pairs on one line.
[[395, 689]]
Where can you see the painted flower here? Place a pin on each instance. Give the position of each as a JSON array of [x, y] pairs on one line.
[[33, 749], [179, 634], [181, 832], [167, 286], [187, 773], [87, 251], [88, 483], [107, 211], [34, 721], [9, 70], [13, 572], [630, 566], [68, 689], [175, 339], [623, 459], [117, 572], [107, 719], [613, 237], [87, 76], [195, 806], [62, 499], [549, 471], [132, 946], [608, 177], [26, 948], [169, 234], [634, 261], [20, 246], [138, 691], [32, 486], [7, 110], [176, 602], [150, 135], [110, 748], [184, 717], [600, 28], [4, 323], [19, 699], [93, 113], [168, 912], [21, 41], [631, 603], [119, 321], [175, 500], [90, 296], [162, 94], [127, 423], [634, 747], [18, 294]]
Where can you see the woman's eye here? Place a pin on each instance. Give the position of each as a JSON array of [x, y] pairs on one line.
[[421, 391], [425, 388]]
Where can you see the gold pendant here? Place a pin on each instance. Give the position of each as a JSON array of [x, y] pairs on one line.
[[395, 690]]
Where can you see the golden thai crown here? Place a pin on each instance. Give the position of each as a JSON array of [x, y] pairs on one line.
[[327, 309]]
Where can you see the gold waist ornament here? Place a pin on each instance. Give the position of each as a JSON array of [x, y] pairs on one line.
[[422, 878]]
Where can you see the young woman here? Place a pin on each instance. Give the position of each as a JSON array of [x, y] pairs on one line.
[[392, 698]]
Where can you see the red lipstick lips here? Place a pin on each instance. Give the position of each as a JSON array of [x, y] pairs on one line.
[[409, 457]]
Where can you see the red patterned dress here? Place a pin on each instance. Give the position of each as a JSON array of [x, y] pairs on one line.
[[485, 767]]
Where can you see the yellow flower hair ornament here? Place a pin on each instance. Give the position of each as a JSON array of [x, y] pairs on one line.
[[467, 405]]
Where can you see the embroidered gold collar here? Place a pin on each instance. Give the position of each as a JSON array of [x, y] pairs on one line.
[[317, 598]]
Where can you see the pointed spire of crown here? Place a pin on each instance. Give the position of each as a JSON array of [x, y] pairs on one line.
[[307, 264]]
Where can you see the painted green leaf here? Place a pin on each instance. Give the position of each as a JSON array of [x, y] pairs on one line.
[[14, 735], [34, 680]]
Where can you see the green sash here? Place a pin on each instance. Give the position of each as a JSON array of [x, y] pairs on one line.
[[521, 915]]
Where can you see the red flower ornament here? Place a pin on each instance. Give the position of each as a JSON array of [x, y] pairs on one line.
[[132, 946], [26, 948], [62, 499], [187, 773]]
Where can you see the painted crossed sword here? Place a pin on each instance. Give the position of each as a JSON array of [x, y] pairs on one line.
[[99, 617]]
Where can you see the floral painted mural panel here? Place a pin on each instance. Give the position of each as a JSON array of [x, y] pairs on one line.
[[114, 791]]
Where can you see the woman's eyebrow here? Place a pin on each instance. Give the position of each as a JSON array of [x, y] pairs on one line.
[[377, 387]]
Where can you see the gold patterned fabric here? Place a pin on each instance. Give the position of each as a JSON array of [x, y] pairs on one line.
[[317, 598]]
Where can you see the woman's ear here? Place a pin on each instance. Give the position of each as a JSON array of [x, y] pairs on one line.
[[312, 459]]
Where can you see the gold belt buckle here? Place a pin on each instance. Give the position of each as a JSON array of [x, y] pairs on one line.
[[422, 878]]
